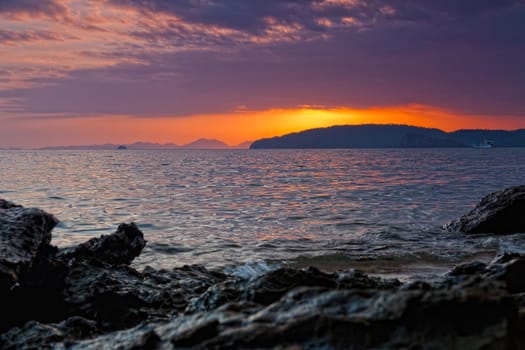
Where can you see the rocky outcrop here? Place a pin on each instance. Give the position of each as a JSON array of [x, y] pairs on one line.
[[48, 287], [24, 234], [89, 297], [501, 212], [270, 287], [120, 248], [474, 308]]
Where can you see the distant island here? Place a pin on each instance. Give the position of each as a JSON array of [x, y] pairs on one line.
[[391, 136], [198, 144]]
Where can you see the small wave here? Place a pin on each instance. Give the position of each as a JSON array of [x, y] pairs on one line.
[[391, 262], [252, 269], [169, 249]]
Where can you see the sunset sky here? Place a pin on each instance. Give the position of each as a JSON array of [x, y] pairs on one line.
[[120, 71]]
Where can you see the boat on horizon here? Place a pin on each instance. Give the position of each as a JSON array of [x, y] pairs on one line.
[[486, 144]]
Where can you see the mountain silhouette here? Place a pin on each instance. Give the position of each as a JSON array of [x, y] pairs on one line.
[[206, 144], [198, 144], [390, 136]]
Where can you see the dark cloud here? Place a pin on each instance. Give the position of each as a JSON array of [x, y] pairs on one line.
[[251, 16], [463, 55], [12, 37], [242, 15], [47, 8]]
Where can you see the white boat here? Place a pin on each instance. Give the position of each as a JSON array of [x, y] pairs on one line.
[[485, 144]]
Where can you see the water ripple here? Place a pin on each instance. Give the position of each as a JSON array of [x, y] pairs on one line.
[[221, 208]]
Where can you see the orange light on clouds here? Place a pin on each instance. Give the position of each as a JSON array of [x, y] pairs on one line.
[[233, 128]]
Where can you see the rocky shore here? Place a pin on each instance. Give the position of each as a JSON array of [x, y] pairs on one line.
[[88, 297]]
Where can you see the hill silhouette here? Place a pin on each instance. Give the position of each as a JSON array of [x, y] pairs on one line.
[[390, 136], [197, 144], [206, 144]]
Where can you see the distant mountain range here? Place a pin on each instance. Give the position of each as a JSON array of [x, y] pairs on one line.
[[198, 144], [391, 136]]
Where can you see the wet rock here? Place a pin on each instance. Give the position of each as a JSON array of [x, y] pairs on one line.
[[121, 297], [271, 286], [118, 248], [24, 232], [477, 306], [36, 335], [92, 281], [7, 205], [501, 212], [89, 297], [142, 337], [510, 269], [470, 268], [314, 317]]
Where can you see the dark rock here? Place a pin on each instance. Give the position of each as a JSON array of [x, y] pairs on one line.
[[143, 337], [121, 297], [24, 233], [88, 297], [510, 269], [33, 335], [271, 286], [195, 335], [468, 269], [477, 307], [340, 319], [36, 335], [501, 212], [118, 248], [91, 280], [7, 205]]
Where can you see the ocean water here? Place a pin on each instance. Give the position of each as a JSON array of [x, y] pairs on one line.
[[248, 211]]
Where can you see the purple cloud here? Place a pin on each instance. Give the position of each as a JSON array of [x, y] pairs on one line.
[[463, 55], [48, 8]]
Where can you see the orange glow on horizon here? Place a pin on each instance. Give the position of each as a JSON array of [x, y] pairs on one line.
[[240, 126]]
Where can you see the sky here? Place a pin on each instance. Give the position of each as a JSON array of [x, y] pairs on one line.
[[95, 71]]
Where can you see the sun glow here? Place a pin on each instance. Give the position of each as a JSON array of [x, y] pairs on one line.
[[233, 128]]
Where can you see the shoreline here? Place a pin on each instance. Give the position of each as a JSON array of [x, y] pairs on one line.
[[88, 296]]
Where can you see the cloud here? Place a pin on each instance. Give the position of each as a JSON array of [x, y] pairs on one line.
[[160, 57], [253, 16], [16, 37], [24, 9]]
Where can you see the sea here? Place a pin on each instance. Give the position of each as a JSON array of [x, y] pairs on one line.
[[246, 212]]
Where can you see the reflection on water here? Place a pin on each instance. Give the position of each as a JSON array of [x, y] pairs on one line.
[[229, 207]]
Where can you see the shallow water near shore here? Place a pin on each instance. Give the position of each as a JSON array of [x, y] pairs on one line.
[[250, 211]]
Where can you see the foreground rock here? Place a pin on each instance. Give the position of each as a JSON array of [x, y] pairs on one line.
[[501, 212], [88, 297], [24, 234], [471, 308]]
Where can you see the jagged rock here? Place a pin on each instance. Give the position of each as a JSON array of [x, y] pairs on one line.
[[501, 212], [314, 317], [7, 205], [271, 286], [121, 297], [118, 248], [468, 269], [477, 306], [24, 233], [88, 297], [510, 269], [36, 335]]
